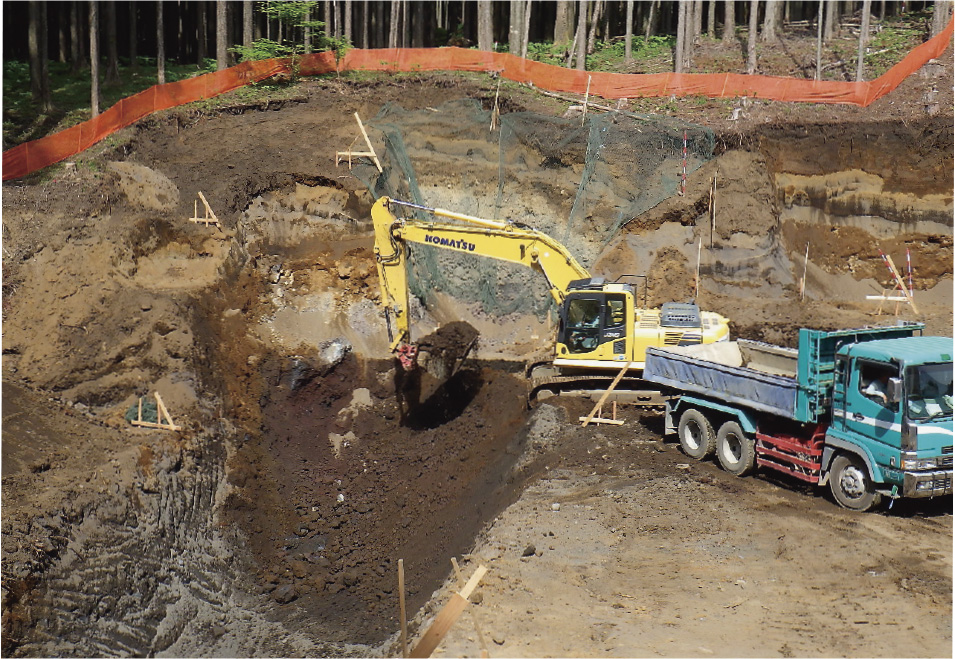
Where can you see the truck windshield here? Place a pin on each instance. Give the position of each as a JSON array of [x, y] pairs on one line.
[[928, 391]]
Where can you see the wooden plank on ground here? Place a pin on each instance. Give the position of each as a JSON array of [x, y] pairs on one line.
[[603, 398]]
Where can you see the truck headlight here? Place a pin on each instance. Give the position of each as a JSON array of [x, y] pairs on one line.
[[925, 485], [929, 463], [910, 464]]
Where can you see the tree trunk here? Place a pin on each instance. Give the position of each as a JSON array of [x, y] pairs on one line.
[[598, 6], [562, 22], [515, 27], [751, 45], [680, 38], [112, 56], [202, 32], [581, 35], [417, 23], [404, 24], [628, 34], [697, 25], [61, 36], [33, 47], [832, 17], [346, 10], [526, 30], [337, 10], [77, 51], [729, 21], [819, 40], [395, 18], [650, 19], [160, 45], [940, 16], [771, 22], [711, 19], [365, 20], [133, 37], [864, 36], [247, 23], [94, 57], [222, 36], [485, 25]]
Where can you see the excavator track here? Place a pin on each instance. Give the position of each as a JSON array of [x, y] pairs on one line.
[[632, 390]]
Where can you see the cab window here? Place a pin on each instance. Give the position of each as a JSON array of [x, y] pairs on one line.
[[874, 383]]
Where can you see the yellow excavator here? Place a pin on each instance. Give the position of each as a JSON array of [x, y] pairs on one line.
[[601, 329]]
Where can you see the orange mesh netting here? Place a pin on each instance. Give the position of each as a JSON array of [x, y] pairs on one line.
[[32, 156]]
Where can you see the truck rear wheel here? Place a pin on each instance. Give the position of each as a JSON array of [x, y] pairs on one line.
[[850, 483], [735, 451], [696, 435]]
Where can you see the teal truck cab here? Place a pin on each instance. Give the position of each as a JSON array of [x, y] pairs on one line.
[[866, 411]]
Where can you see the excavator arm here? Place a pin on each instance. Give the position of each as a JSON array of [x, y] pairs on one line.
[[494, 239]]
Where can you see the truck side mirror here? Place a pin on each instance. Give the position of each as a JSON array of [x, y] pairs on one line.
[[894, 392]]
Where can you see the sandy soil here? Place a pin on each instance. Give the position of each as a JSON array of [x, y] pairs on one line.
[[273, 522]]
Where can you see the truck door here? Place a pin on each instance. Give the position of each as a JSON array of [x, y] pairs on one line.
[[594, 326], [869, 416]]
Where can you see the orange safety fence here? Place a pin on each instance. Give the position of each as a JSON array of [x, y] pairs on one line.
[[32, 156]]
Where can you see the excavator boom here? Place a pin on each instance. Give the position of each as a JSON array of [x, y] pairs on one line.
[[505, 241]]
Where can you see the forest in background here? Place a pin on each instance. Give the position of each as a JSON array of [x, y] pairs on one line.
[[77, 57]]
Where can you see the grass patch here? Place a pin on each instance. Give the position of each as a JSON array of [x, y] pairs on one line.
[[23, 121]]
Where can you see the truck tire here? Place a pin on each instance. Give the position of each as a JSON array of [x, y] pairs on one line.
[[735, 451], [696, 435], [850, 483]]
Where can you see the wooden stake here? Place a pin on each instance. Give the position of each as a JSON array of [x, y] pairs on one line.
[[210, 216], [474, 614], [370, 153], [713, 208], [447, 617], [699, 256], [163, 418], [583, 117], [805, 272], [401, 607], [901, 284], [496, 112], [364, 134], [600, 402]]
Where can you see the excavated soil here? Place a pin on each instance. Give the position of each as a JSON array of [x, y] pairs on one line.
[[307, 465]]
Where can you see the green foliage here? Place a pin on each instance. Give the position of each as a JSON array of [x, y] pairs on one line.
[[293, 15], [888, 46], [263, 49], [609, 55], [549, 53]]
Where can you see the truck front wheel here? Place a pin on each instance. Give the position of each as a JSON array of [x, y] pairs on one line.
[[735, 450], [696, 435], [851, 485]]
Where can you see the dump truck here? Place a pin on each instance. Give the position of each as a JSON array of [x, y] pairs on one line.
[[866, 411]]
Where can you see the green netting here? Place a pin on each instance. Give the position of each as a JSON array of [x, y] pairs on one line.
[[579, 182], [150, 411]]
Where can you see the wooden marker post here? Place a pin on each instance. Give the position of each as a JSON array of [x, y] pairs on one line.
[[401, 607], [448, 615]]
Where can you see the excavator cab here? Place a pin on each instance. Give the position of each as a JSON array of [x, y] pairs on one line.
[[600, 324], [593, 321]]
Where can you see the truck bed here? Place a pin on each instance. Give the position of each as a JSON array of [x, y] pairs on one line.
[[744, 373]]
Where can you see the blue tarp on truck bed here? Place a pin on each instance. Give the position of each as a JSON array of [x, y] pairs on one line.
[[727, 383]]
